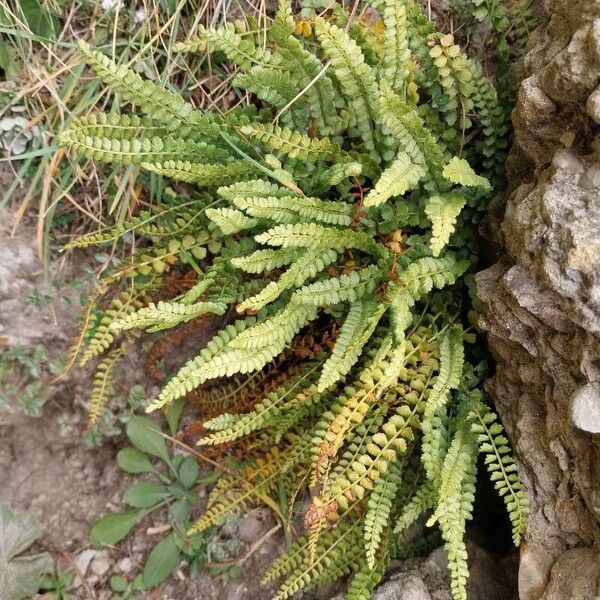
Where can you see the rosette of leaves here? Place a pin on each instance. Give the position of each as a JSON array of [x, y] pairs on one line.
[[170, 486], [20, 575], [16, 132]]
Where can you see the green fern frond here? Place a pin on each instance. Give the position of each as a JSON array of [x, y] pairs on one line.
[[379, 508], [356, 78], [413, 136], [253, 188], [186, 379], [454, 506], [275, 87], [452, 356], [238, 48], [288, 209], [164, 315], [115, 125], [207, 174], [313, 81], [278, 329], [443, 213], [435, 446], [355, 332], [423, 500], [345, 288], [401, 176], [230, 220], [307, 265], [459, 172], [422, 275], [163, 106], [264, 414], [383, 448], [263, 478], [335, 560], [501, 466], [265, 260], [317, 237], [366, 578], [396, 55], [455, 78], [101, 335], [292, 143], [138, 151]]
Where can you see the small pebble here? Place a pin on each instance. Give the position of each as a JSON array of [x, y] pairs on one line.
[[125, 565], [100, 565]]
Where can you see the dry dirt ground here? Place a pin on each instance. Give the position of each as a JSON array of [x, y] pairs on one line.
[[46, 470]]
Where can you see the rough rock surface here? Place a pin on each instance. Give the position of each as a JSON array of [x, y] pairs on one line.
[[491, 577], [541, 301]]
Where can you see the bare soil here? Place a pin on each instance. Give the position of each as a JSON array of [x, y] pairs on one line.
[[46, 469]]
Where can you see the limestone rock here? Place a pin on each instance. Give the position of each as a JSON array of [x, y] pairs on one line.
[[576, 574], [585, 408], [403, 587], [541, 300]]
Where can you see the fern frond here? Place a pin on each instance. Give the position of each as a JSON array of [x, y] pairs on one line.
[[161, 105], [455, 79], [345, 288], [363, 472], [306, 266], [186, 378], [414, 138], [423, 500], [275, 87], [435, 446], [313, 81], [276, 330], [334, 561], [396, 55], [139, 151], [401, 176], [237, 48], [422, 275], [366, 577], [356, 78], [456, 495], [288, 209], [230, 220], [253, 188], [101, 335], [263, 476], [264, 414], [443, 213], [116, 126], [459, 172], [164, 315], [208, 174], [102, 386], [501, 466], [356, 331], [379, 508], [451, 367], [265, 260], [316, 237], [296, 556], [293, 143]]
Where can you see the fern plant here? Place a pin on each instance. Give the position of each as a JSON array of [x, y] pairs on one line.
[[349, 198]]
